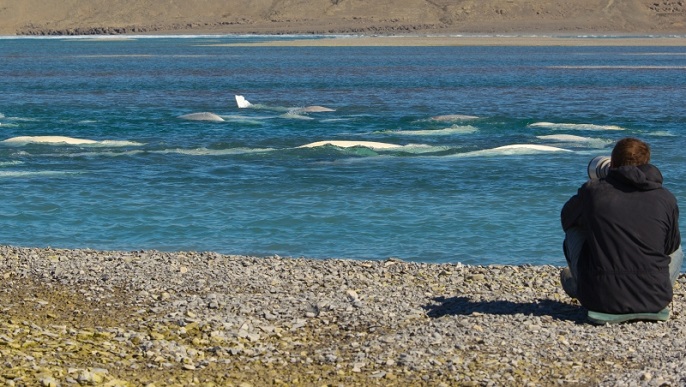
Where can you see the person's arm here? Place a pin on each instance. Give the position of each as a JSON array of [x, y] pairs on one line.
[[674, 236], [571, 212]]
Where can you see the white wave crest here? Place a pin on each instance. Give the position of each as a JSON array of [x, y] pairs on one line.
[[514, 150], [455, 129], [553, 125]]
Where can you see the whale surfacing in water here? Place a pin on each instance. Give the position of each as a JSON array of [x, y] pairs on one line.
[[564, 137], [349, 144], [315, 109], [553, 125], [453, 117], [204, 116], [545, 148], [48, 140], [243, 103]]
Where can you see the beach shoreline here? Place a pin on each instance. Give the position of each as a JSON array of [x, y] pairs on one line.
[[470, 40], [461, 40], [196, 318]]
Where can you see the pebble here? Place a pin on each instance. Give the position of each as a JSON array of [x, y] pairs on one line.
[[204, 318]]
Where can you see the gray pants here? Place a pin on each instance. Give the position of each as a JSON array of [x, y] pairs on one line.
[[574, 242]]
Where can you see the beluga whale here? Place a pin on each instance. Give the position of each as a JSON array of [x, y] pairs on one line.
[[350, 144], [243, 103], [454, 117], [48, 140], [203, 116]]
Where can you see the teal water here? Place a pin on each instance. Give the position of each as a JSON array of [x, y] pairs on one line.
[[446, 191]]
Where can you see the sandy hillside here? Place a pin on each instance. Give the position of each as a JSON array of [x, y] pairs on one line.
[[341, 16]]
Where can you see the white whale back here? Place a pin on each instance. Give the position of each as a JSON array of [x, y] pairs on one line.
[[204, 116]]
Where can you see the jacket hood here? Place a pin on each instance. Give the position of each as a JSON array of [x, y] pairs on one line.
[[642, 177]]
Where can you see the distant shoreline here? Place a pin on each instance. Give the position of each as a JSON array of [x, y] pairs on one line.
[[353, 40], [475, 40]]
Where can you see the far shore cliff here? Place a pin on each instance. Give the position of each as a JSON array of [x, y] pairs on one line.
[[383, 17]]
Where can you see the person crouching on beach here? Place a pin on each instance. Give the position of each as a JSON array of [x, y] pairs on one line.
[[622, 240]]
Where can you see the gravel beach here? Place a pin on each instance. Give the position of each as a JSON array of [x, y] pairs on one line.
[[85, 317]]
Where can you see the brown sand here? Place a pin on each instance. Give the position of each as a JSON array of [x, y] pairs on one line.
[[382, 17], [469, 40]]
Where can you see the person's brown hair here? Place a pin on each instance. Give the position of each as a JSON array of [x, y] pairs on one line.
[[630, 151]]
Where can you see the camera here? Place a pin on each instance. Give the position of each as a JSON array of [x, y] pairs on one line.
[[598, 167]]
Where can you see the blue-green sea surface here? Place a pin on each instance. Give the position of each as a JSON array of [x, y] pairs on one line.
[[464, 154]]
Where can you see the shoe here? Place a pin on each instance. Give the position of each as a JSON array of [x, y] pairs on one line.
[[608, 318]]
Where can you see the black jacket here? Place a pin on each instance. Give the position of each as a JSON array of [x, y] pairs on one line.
[[631, 227]]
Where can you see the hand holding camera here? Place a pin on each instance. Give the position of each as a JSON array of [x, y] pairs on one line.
[[598, 167]]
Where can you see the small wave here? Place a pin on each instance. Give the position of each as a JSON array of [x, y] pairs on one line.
[[553, 125], [11, 174], [455, 129], [10, 163], [118, 143], [213, 152], [246, 120], [98, 154], [514, 150], [259, 106], [423, 149], [19, 119], [576, 140], [293, 114], [314, 109], [335, 119], [662, 133], [63, 140]]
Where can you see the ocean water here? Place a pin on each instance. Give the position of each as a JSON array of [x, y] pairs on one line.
[[95, 153]]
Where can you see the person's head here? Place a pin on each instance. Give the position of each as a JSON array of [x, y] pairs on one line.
[[630, 151]]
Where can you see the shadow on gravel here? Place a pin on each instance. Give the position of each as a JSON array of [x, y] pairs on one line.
[[464, 306]]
